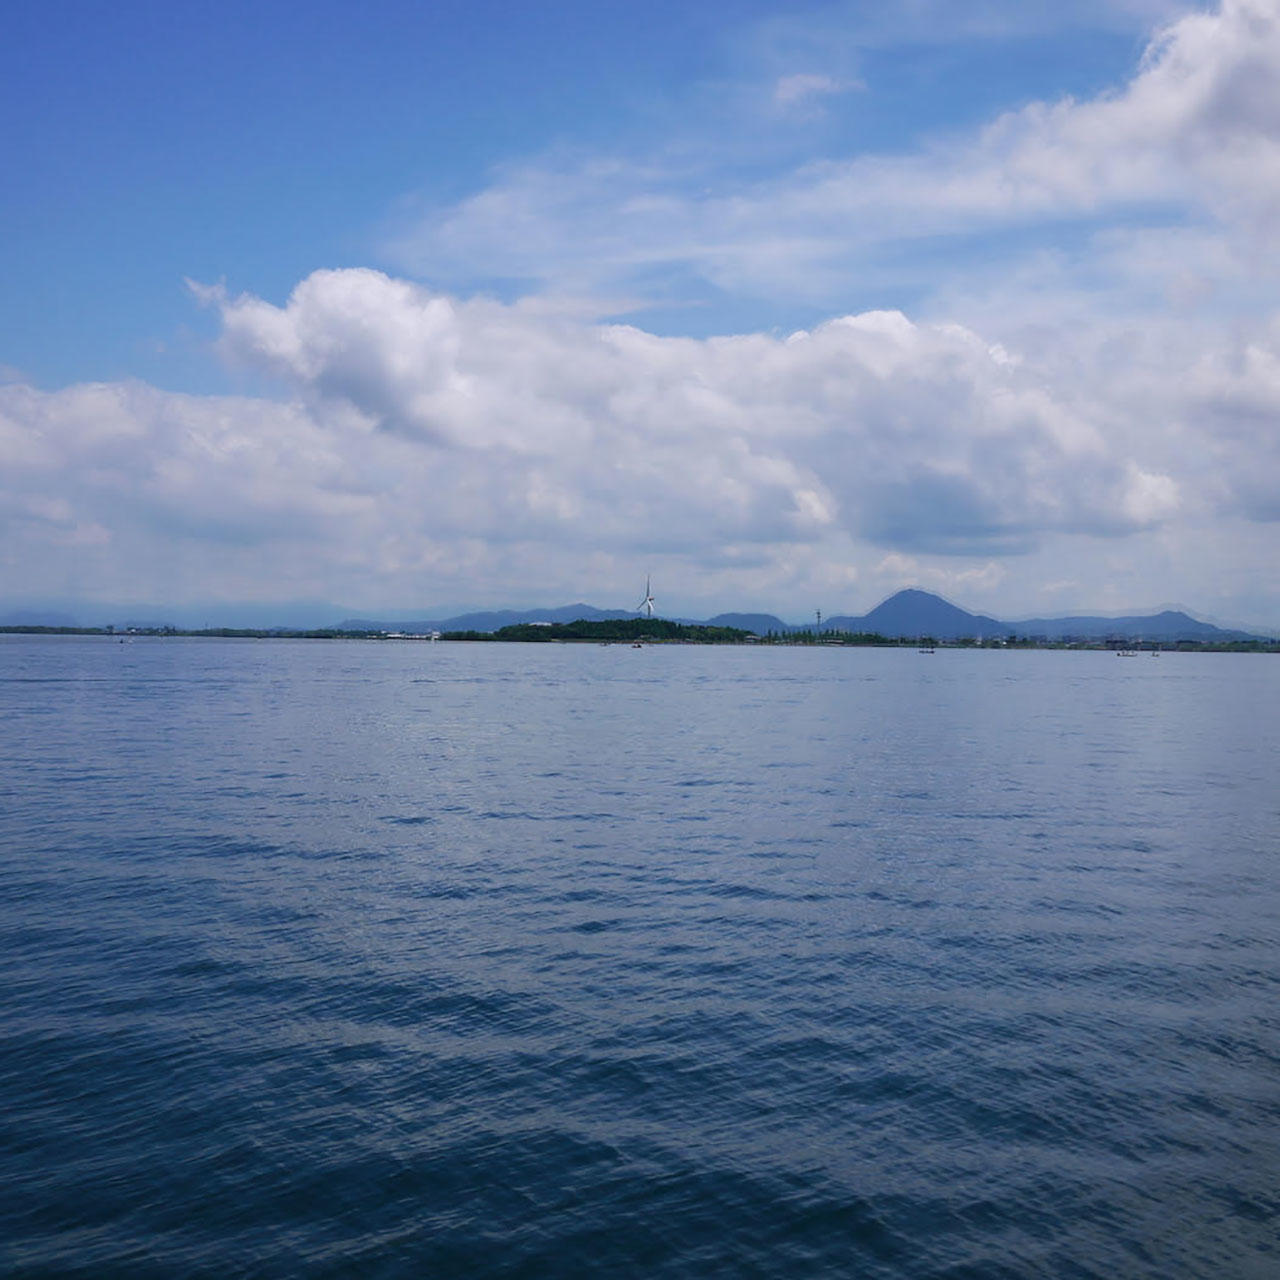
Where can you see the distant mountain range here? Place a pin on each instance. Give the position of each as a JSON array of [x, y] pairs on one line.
[[907, 614], [1171, 624]]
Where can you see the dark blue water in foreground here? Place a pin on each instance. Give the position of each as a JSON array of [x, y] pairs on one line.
[[359, 959]]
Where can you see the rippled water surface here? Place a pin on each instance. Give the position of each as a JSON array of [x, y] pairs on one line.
[[382, 960]]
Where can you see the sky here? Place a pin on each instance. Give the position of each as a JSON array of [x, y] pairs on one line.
[[401, 309]]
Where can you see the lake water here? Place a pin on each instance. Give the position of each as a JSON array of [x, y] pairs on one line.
[[389, 959]]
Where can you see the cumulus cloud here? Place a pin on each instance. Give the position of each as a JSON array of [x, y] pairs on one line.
[[900, 433], [1200, 123], [427, 439]]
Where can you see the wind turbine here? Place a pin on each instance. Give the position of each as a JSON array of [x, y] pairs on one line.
[[646, 605]]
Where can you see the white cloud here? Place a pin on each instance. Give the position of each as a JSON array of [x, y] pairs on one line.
[[1195, 132], [803, 89], [900, 433], [429, 443]]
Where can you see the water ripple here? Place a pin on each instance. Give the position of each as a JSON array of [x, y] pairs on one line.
[[497, 961]]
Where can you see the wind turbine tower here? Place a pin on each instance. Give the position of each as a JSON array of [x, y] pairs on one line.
[[646, 605]]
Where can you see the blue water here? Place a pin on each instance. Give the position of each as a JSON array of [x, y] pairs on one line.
[[381, 960]]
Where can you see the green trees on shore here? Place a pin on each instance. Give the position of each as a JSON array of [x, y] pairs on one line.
[[609, 631], [647, 631]]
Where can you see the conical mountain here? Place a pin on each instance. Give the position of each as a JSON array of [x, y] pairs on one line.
[[913, 612]]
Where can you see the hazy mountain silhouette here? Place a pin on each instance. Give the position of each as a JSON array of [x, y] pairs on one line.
[[760, 623], [920, 613], [904, 615], [1170, 624]]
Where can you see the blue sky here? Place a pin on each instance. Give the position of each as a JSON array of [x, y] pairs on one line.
[[254, 143], [403, 305]]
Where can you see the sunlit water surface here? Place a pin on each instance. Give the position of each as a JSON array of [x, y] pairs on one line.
[[387, 959]]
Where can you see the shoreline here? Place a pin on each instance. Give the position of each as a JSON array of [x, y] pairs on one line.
[[553, 635]]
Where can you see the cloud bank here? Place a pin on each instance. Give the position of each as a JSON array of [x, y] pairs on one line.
[[1083, 431], [426, 438]]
